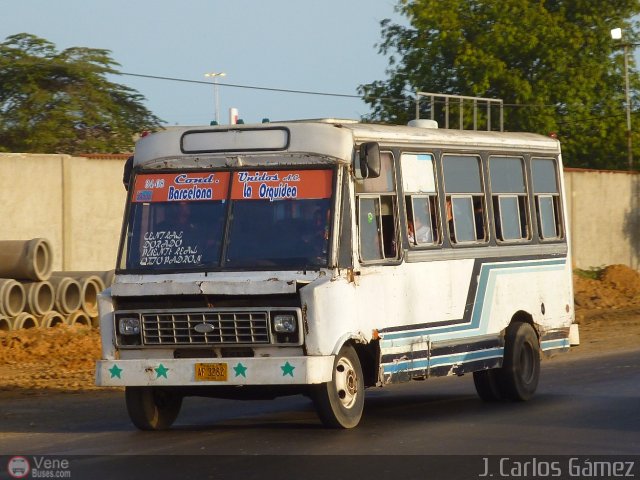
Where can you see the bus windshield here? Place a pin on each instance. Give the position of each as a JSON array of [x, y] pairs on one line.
[[228, 220]]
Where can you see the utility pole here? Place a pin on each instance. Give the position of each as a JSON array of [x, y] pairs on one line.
[[215, 76]]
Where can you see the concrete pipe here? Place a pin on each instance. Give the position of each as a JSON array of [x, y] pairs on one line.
[[40, 297], [24, 320], [79, 318], [68, 294], [51, 319], [5, 324], [12, 297], [26, 259], [105, 276], [90, 287]]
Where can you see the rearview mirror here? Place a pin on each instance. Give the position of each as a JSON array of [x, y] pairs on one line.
[[126, 173], [370, 160]]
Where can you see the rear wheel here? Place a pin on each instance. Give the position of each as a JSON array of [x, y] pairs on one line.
[[340, 402], [518, 378], [521, 368], [520, 371], [152, 408], [487, 383]]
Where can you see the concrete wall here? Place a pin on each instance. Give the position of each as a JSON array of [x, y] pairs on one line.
[[604, 217], [77, 203]]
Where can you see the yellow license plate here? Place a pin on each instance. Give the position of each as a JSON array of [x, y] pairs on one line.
[[211, 372]]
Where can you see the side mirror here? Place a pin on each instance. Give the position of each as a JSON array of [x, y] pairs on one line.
[[126, 174], [370, 160]]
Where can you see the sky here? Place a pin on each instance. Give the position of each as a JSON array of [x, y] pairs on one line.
[[311, 45]]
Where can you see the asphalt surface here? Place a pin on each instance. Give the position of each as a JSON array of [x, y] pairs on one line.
[[583, 406]]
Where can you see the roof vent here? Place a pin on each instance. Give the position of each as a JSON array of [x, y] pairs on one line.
[[421, 123]]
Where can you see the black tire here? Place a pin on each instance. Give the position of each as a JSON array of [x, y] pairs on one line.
[[340, 402], [152, 408], [487, 383], [520, 372]]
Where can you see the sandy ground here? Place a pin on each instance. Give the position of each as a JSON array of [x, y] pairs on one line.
[[41, 360]]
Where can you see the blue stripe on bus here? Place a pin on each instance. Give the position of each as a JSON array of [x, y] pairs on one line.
[[457, 358], [484, 292], [553, 344]]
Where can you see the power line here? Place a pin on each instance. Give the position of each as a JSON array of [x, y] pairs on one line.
[[250, 87], [325, 94], [268, 89]]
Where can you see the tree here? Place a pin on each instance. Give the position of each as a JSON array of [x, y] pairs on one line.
[[62, 101], [553, 63]]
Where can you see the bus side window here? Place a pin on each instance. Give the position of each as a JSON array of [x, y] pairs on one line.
[[422, 221], [370, 224], [510, 223], [419, 184], [547, 217], [465, 217], [389, 231], [377, 214], [509, 197], [466, 211], [547, 198]]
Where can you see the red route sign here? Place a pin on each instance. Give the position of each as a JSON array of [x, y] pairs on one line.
[[246, 185], [181, 187], [281, 184]]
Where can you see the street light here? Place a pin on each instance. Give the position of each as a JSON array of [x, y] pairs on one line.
[[215, 76], [616, 34]]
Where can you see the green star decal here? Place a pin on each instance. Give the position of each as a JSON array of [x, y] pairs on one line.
[[115, 371], [161, 371], [287, 369], [240, 370]]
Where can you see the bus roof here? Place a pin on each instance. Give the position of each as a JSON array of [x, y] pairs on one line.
[[325, 138]]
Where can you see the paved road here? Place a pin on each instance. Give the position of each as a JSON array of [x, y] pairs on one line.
[[584, 406]]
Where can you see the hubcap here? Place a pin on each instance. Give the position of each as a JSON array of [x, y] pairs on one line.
[[346, 382]]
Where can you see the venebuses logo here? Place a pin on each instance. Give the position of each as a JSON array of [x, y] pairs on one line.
[[18, 467], [39, 467]]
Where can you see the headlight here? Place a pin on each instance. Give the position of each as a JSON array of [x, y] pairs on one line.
[[284, 323], [129, 326]]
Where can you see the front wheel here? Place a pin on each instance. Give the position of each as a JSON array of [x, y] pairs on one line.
[[340, 402], [152, 408]]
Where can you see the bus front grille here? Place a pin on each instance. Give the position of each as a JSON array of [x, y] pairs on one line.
[[205, 328]]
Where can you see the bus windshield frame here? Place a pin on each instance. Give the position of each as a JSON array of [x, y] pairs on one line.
[[228, 220]]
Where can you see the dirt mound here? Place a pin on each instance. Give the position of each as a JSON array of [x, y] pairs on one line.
[[624, 279], [616, 286], [58, 357]]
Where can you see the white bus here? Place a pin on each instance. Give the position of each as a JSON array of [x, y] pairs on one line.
[[325, 257]]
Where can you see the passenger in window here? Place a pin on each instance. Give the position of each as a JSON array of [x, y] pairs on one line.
[[478, 213], [421, 234], [321, 223], [178, 219], [182, 225], [411, 233], [450, 220], [315, 234]]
